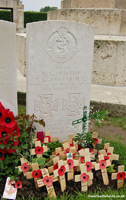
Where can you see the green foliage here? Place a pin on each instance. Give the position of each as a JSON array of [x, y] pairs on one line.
[[48, 8], [5, 15], [83, 139], [111, 169], [34, 17], [52, 146]]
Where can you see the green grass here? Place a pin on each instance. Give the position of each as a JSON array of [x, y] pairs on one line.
[[21, 110]]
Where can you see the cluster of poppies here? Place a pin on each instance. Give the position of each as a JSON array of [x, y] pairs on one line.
[[9, 132]]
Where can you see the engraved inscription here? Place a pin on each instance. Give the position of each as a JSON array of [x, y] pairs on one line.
[[72, 104], [62, 45], [46, 105]]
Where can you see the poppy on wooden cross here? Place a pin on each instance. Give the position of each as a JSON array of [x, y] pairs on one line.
[[84, 177], [108, 153], [35, 173], [60, 172], [48, 182], [39, 150], [24, 166], [120, 176], [102, 165], [96, 139]]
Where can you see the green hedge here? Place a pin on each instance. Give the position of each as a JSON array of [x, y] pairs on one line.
[[28, 16]]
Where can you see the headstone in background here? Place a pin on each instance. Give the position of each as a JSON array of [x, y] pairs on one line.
[[8, 76], [59, 67]]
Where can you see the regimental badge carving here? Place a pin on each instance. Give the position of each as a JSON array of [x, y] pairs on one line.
[[45, 106], [62, 45], [73, 104]]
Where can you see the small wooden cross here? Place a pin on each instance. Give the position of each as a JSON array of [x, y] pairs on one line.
[[120, 176], [84, 177], [48, 182], [39, 150], [102, 165], [36, 172], [86, 152], [24, 166], [60, 172], [96, 139], [108, 153]]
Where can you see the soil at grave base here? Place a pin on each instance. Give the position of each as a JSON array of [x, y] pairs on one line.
[[72, 187]]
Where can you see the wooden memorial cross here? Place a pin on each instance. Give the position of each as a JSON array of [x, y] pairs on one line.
[[96, 139], [35, 173], [84, 177], [24, 166], [102, 165], [39, 150], [120, 176], [71, 163], [108, 153], [60, 172], [48, 182], [55, 165], [68, 149], [85, 152]]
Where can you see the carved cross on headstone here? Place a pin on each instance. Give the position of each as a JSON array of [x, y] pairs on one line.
[[84, 177], [120, 176], [39, 150], [48, 182], [60, 172], [102, 165], [35, 173]]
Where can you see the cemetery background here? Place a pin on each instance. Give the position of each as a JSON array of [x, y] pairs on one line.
[[115, 135]]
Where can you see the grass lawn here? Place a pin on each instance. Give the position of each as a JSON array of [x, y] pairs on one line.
[[119, 148]]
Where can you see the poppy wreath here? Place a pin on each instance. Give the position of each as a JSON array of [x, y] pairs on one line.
[[9, 132]]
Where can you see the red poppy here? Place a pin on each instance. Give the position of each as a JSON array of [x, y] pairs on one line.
[[48, 180], [2, 113], [2, 152], [61, 170], [71, 145], [70, 162], [11, 150], [79, 147], [67, 150], [5, 133], [18, 184], [8, 119], [95, 140], [121, 176], [106, 150], [16, 131], [39, 150], [102, 164], [74, 156], [37, 173], [16, 143], [82, 159], [25, 167], [84, 177], [108, 153], [49, 138], [55, 166], [89, 166], [106, 158], [91, 150]]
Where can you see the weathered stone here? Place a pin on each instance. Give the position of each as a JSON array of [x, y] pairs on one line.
[[8, 80], [59, 65]]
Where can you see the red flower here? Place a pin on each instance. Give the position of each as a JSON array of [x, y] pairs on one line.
[[25, 167], [89, 166], [84, 177], [74, 156], [55, 166], [102, 164], [79, 147], [2, 113], [91, 150], [37, 173], [8, 119], [16, 143], [49, 138], [106, 158], [40, 135], [5, 133], [95, 140], [82, 159], [2, 152], [61, 170], [48, 180], [108, 154], [39, 150], [70, 162], [11, 150], [16, 131], [121, 176], [67, 150], [18, 184], [106, 150]]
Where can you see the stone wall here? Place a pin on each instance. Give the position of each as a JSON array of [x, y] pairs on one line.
[[18, 12], [121, 4], [105, 21]]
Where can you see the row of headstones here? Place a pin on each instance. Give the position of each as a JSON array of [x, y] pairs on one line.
[[59, 65]]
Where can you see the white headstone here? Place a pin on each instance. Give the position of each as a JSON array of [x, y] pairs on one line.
[[8, 76], [59, 67]]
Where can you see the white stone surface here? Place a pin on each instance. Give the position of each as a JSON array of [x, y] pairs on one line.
[[59, 65], [8, 80]]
